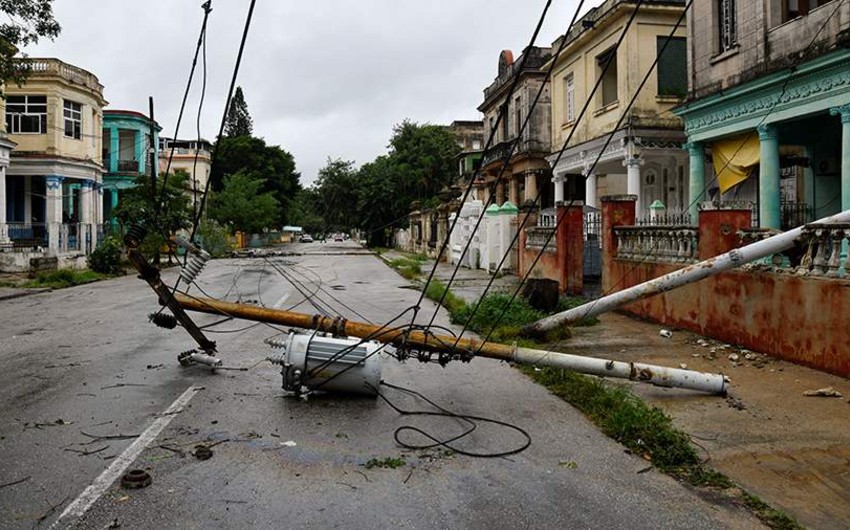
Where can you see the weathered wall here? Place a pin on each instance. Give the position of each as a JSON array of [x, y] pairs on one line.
[[800, 319], [563, 259], [764, 42]]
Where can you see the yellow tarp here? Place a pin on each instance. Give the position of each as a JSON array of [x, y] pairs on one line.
[[735, 159]]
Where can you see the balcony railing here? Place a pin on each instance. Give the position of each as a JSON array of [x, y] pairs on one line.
[[25, 236], [66, 71], [817, 252], [536, 237], [672, 244], [128, 166]]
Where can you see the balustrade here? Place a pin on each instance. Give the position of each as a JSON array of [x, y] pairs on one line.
[[824, 244], [538, 237], [672, 244]]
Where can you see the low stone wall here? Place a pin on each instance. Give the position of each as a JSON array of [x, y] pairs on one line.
[[803, 319]]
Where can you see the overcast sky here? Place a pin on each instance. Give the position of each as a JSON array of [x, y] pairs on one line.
[[322, 78]]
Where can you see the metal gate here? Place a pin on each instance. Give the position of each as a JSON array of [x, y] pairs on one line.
[[592, 243]]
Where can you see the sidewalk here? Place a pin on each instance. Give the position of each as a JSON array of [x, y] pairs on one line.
[[790, 450]]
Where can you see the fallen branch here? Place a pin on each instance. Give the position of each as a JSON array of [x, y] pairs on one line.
[[52, 509], [86, 453], [6, 485], [96, 439]]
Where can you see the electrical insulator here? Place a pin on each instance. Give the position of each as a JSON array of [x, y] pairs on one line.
[[194, 265], [164, 320]]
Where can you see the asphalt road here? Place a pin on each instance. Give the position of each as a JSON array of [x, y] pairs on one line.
[[89, 388]]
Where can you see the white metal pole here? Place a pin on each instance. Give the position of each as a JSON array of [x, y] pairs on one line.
[[645, 373], [689, 274]]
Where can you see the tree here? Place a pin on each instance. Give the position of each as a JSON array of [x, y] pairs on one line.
[[271, 164], [238, 122], [304, 211], [28, 20], [337, 187], [242, 205], [137, 206], [376, 202], [424, 156]]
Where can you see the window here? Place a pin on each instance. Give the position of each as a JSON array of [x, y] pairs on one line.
[[518, 116], [672, 67], [728, 23], [26, 114], [506, 131], [73, 113], [569, 83], [606, 65], [476, 145], [792, 9]]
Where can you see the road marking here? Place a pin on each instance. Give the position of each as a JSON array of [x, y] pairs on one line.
[[97, 488], [281, 301]]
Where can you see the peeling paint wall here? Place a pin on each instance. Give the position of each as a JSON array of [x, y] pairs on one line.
[[799, 319]]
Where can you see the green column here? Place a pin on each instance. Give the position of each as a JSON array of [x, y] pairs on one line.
[[844, 112], [114, 146], [696, 152], [769, 214], [140, 151]]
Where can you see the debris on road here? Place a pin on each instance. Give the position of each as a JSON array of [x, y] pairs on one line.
[[666, 333], [136, 479], [202, 452], [823, 392]]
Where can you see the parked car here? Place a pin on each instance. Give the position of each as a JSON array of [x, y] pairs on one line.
[[339, 237], [306, 238]]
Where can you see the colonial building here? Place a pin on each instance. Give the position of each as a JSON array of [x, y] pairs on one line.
[[128, 152], [192, 156], [644, 156], [768, 111], [515, 171], [52, 193]]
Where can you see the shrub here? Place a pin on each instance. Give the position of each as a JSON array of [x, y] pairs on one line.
[[106, 258], [213, 238]]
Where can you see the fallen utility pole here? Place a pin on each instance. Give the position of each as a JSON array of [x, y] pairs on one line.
[[690, 274], [422, 341]]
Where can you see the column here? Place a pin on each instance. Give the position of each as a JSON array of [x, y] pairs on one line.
[[500, 192], [769, 214], [4, 231], [86, 210], [696, 181], [531, 186], [558, 181], [513, 191], [140, 151], [633, 164], [114, 147], [53, 186], [844, 112], [590, 196]]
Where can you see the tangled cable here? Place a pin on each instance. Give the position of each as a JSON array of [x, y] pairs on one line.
[[443, 412]]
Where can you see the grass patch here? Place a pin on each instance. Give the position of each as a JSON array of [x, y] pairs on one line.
[[62, 278], [511, 316], [385, 463], [437, 290], [569, 302], [647, 432], [407, 267]]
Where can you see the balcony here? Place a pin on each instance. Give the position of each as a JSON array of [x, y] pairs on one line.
[[128, 166], [55, 67]]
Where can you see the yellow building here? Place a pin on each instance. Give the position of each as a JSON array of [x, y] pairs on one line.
[[53, 184], [644, 156], [192, 156]]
